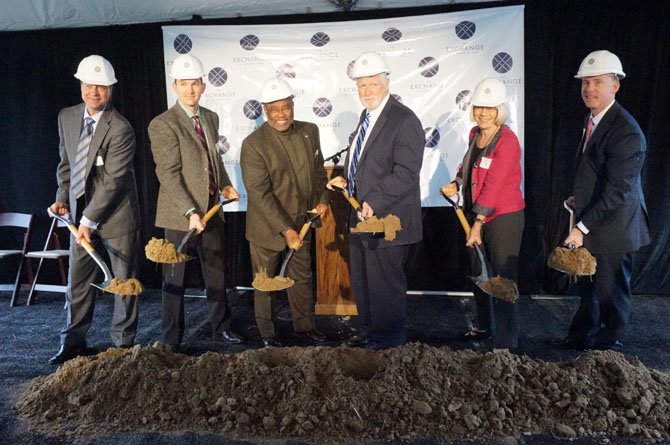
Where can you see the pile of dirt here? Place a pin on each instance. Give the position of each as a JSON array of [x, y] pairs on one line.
[[574, 262], [163, 251], [129, 287], [339, 395]]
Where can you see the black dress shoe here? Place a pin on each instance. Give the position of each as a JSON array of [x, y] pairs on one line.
[[358, 341], [616, 346], [272, 342], [231, 337], [566, 343], [312, 335], [66, 353]]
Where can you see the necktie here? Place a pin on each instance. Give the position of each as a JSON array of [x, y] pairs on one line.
[[587, 135], [210, 172], [78, 175], [353, 166]]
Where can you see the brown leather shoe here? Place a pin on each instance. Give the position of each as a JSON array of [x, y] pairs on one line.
[[66, 353]]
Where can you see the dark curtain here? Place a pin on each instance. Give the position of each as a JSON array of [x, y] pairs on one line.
[[37, 76]]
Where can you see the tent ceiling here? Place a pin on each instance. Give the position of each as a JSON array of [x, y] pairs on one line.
[[44, 14]]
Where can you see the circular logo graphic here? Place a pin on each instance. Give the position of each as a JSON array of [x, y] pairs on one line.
[[252, 109], [349, 68], [249, 42], [319, 39], [432, 137], [391, 35], [463, 99], [223, 145], [182, 44], [429, 67], [502, 62], [465, 30], [396, 97], [217, 76], [322, 107], [286, 70]]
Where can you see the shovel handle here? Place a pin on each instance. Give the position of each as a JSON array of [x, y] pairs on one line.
[[353, 201], [215, 208], [70, 225], [461, 216]]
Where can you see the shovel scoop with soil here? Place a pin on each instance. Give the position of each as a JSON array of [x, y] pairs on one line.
[[387, 225], [112, 285], [160, 250], [571, 260], [265, 283]]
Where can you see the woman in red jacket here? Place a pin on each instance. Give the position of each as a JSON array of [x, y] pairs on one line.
[[490, 181]]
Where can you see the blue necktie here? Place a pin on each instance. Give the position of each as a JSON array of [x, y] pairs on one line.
[[78, 175], [353, 165]]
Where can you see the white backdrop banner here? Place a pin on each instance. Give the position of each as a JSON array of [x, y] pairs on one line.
[[435, 63]]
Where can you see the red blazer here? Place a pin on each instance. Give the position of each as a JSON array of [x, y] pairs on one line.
[[495, 179]]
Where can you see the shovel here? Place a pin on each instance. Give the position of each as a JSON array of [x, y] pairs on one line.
[[210, 213], [498, 287], [280, 282], [67, 219], [389, 224], [572, 261]]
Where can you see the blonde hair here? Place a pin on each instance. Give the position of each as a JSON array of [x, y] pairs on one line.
[[501, 117]]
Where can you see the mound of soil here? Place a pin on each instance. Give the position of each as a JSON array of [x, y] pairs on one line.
[[339, 395]]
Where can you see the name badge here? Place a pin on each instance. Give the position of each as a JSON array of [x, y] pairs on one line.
[[485, 163], [99, 161]]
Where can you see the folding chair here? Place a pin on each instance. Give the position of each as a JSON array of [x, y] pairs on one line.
[[52, 251], [22, 221]]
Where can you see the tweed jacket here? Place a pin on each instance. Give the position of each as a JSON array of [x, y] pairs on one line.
[[181, 165], [272, 185], [110, 191]]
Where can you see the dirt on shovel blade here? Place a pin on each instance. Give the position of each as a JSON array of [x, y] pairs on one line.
[[125, 287], [162, 251], [574, 262], [264, 283], [501, 288], [389, 225]]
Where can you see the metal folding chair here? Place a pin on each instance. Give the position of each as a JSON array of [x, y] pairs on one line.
[[12, 220]]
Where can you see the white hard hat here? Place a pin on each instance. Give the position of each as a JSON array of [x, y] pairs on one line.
[[600, 62], [95, 70], [489, 92], [369, 64], [187, 66], [275, 89]]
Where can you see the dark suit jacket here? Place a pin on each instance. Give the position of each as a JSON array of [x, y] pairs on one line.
[[387, 177], [111, 193], [272, 186], [607, 188], [181, 165]]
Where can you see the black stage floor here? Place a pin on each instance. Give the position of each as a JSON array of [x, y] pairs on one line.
[[29, 336]]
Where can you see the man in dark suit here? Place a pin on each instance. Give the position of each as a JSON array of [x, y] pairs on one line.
[[609, 206], [382, 169], [282, 169], [96, 184], [192, 175]]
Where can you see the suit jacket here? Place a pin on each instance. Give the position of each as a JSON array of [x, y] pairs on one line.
[[607, 188], [387, 177], [272, 186], [111, 192], [182, 165]]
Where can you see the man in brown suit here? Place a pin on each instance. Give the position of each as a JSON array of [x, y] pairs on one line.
[[191, 174], [282, 169]]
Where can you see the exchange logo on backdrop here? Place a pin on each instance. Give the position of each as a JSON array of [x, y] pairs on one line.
[[217, 76], [502, 62], [465, 30], [429, 66], [249, 42], [322, 107], [320, 39], [285, 70], [391, 35], [252, 109], [463, 99], [223, 145], [397, 97], [182, 44], [432, 137]]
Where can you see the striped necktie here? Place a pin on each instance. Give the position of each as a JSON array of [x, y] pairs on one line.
[[78, 176], [210, 172], [353, 166]]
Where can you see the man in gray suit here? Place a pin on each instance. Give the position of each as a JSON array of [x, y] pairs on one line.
[[96, 184], [282, 169], [609, 205], [192, 175], [382, 172]]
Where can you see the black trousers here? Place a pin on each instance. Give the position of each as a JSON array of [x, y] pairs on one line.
[[605, 302], [208, 247], [501, 242]]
